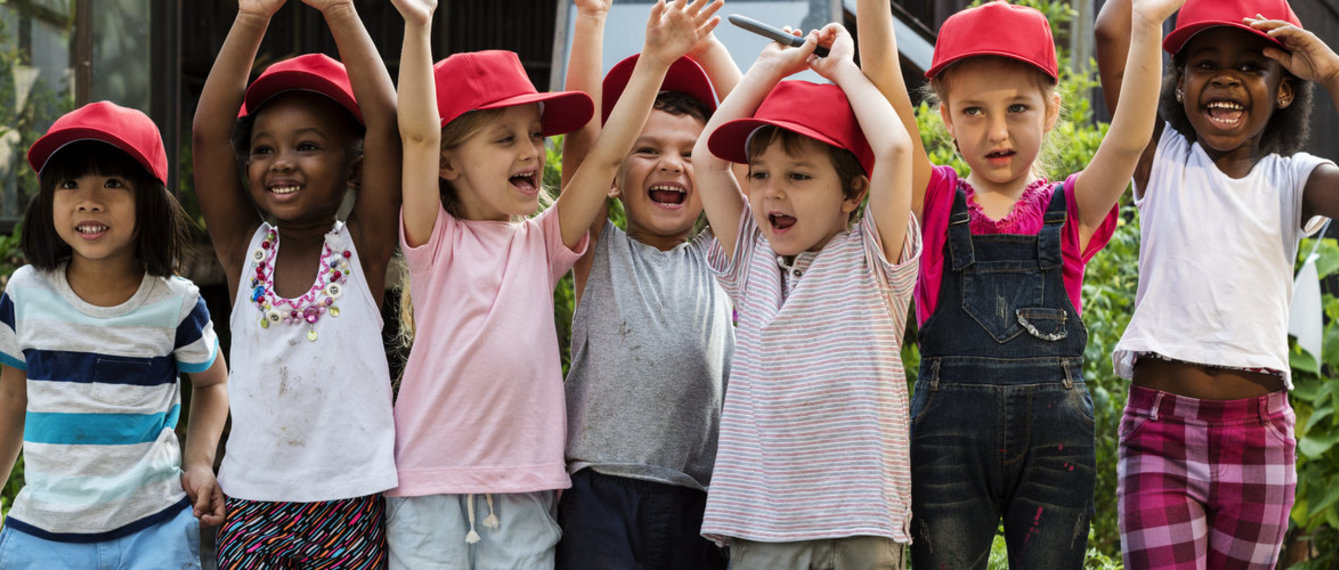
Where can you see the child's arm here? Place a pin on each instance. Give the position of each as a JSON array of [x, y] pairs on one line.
[[13, 411], [208, 414], [373, 222], [890, 184], [721, 196], [420, 124], [671, 31], [229, 213], [1311, 60], [584, 65], [879, 61], [1114, 30], [1126, 143], [715, 59]]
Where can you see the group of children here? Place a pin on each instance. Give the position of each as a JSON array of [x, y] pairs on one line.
[[736, 386]]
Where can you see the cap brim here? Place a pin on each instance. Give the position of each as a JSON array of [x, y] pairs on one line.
[[51, 143], [730, 140], [1181, 36], [564, 111], [267, 87]]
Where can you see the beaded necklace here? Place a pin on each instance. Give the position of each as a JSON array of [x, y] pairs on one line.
[[317, 301]]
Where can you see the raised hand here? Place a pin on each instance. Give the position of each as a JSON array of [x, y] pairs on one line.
[[676, 27], [841, 50], [415, 11], [1306, 55], [265, 8], [787, 60]]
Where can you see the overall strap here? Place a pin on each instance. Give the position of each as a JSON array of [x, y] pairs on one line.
[[1053, 222], [960, 250]]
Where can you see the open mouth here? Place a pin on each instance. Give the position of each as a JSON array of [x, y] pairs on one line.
[[525, 182], [781, 221], [91, 229], [1001, 154], [1224, 113], [284, 190], [668, 195]]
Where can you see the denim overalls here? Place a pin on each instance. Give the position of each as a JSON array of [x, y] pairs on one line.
[[1001, 423]]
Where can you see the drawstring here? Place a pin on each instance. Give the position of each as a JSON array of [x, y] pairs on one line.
[[492, 521]]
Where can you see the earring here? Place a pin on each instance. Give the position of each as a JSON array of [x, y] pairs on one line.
[[1284, 101], [1180, 95]]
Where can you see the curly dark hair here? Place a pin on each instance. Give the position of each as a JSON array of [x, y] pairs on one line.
[[1286, 132], [679, 103]]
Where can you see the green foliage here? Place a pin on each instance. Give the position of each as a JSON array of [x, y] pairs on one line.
[[1314, 538]]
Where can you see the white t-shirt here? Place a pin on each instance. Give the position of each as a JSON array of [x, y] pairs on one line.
[[1215, 260]]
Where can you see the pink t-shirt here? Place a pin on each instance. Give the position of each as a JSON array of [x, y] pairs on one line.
[[481, 406], [1025, 219]]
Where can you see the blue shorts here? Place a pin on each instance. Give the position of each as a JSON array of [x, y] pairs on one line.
[[467, 532], [173, 543]]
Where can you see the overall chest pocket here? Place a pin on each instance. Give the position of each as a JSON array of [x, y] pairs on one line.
[[1007, 299]]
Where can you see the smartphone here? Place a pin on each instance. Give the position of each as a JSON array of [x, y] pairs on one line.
[[772, 33]]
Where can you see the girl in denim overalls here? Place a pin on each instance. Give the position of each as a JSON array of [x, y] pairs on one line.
[[1002, 425]]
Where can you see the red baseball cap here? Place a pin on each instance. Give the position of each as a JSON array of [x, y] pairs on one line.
[[314, 72], [494, 79], [996, 28], [126, 129], [1197, 15], [684, 76], [818, 111]]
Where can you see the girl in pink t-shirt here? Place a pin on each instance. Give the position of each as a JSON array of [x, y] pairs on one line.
[[1002, 426], [480, 417]]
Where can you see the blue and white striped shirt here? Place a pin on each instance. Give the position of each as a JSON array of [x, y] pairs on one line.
[[101, 457]]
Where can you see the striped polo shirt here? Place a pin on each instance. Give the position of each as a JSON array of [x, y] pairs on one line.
[[101, 457], [814, 432]]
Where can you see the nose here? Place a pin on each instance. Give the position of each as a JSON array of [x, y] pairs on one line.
[[998, 128], [88, 201], [282, 162], [1225, 78], [671, 162]]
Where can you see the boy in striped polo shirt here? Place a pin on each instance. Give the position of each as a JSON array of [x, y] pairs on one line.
[[813, 452]]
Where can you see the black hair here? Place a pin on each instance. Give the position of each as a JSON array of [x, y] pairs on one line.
[[679, 103], [241, 131], [844, 161], [1286, 132], [161, 234]]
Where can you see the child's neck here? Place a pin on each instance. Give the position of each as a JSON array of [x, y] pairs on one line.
[[998, 199], [1237, 162], [104, 283]]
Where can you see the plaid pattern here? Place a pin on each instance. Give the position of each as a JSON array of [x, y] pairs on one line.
[[1205, 484]]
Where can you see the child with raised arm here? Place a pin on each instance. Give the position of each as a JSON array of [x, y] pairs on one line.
[[94, 334], [652, 333], [480, 415], [997, 299], [312, 441], [812, 462], [1207, 451]]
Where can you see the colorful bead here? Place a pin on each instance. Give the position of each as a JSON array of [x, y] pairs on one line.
[[317, 301]]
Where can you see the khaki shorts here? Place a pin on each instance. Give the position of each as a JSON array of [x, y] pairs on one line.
[[850, 553]]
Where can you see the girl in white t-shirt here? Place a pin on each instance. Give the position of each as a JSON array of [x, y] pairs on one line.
[[1206, 442], [480, 418]]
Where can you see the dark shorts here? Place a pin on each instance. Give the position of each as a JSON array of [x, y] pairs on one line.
[[624, 524]]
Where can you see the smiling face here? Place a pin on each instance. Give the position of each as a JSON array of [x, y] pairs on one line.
[[998, 111], [1229, 90], [496, 172], [797, 197], [299, 162], [95, 215], [655, 181]]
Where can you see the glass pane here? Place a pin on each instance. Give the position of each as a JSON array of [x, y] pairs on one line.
[[121, 52]]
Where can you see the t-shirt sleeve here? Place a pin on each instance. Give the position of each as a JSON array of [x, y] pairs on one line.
[[11, 354], [196, 344], [1101, 235], [561, 257], [900, 277], [421, 257], [732, 273]]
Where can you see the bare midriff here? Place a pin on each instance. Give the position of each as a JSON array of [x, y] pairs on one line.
[[1202, 381]]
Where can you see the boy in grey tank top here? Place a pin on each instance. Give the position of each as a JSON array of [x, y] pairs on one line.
[[652, 334]]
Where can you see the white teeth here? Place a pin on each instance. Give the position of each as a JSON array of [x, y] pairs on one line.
[[1226, 105], [87, 229], [283, 189], [669, 189]]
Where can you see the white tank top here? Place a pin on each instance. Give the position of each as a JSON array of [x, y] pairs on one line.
[[311, 397]]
